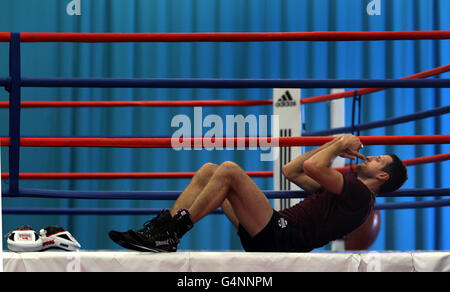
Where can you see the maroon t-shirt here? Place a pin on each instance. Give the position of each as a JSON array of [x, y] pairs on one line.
[[324, 217]]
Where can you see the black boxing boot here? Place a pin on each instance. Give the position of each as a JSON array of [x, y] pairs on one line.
[[165, 234], [183, 222], [158, 235]]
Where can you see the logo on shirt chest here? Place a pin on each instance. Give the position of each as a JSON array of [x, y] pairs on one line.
[[282, 223]]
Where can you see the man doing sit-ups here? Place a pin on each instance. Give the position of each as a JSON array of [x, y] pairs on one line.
[[339, 203]]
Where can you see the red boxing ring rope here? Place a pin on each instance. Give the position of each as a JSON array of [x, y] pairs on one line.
[[362, 91], [228, 37], [174, 175], [153, 103], [428, 159], [122, 175], [199, 142]]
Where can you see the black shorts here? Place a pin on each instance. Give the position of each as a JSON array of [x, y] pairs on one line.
[[279, 235]]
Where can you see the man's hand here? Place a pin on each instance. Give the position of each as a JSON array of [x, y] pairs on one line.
[[350, 154], [351, 145]]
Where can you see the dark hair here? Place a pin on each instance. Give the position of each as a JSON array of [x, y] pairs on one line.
[[397, 175]]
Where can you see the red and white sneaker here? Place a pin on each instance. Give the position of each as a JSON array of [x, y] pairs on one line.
[[57, 237]]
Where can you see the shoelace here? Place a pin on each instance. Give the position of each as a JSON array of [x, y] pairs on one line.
[[151, 226]]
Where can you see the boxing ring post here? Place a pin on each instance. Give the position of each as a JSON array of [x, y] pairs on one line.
[[337, 120], [286, 105], [14, 89], [14, 112]]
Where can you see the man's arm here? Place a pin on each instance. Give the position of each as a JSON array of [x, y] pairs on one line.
[[294, 171], [318, 168]]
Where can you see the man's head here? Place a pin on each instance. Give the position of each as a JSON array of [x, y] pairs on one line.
[[387, 170]]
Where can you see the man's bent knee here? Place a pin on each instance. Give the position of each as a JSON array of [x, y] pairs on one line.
[[229, 170], [209, 167], [205, 173], [230, 165]]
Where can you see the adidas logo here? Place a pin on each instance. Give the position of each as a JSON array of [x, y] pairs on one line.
[[286, 100]]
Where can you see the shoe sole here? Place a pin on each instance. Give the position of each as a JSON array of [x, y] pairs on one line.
[[116, 237]]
